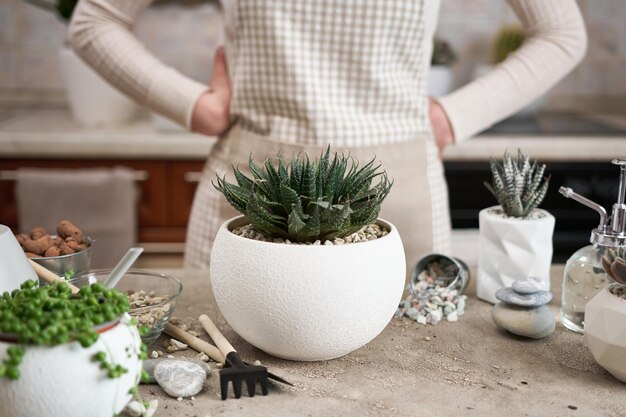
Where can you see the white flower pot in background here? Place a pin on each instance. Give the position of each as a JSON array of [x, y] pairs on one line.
[[605, 332], [93, 101], [510, 249], [306, 302], [439, 80], [66, 381]]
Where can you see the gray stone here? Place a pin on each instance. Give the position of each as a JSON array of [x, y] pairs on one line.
[[529, 285], [509, 296], [149, 364], [534, 323], [179, 378]]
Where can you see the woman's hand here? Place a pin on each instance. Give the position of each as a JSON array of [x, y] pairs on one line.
[[442, 130], [211, 114]]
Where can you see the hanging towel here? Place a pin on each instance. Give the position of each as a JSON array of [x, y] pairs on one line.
[[100, 201]]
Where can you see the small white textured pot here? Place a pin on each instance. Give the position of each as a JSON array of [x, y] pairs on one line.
[[510, 249], [307, 302], [65, 380], [605, 332], [93, 101]]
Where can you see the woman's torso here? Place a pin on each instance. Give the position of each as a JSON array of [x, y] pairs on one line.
[[350, 72]]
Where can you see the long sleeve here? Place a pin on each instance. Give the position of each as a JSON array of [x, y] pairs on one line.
[[555, 43], [100, 32]]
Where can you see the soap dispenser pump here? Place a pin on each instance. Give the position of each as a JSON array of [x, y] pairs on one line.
[[584, 275]]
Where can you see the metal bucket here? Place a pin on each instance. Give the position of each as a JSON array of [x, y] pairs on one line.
[[72, 264], [460, 272]]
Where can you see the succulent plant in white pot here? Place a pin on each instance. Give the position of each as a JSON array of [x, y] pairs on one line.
[[605, 317], [515, 237], [309, 272]]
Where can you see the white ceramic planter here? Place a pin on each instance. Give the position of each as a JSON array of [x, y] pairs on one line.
[[511, 248], [93, 101], [439, 80], [14, 266], [305, 302], [605, 332], [65, 380]]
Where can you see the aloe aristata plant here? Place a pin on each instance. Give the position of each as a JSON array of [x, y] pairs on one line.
[[518, 184], [306, 200], [614, 263]]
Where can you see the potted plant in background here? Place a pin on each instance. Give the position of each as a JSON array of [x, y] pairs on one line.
[[93, 102], [67, 355], [440, 72], [515, 239], [309, 272], [605, 317]]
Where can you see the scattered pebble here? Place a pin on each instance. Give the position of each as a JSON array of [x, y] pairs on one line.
[[572, 407], [171, 356], [179, 399], [203, 357], [180, 378], [257, 363], [427, 339], [175, 346], [152, 407], [193, 398], [219, 365], [154, 354], [370, 232], [135, 409]]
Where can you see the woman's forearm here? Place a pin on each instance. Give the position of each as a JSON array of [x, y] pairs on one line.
[[100, 32], [555, 43]]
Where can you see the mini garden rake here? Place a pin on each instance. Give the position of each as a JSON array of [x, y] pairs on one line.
[[235, 369]]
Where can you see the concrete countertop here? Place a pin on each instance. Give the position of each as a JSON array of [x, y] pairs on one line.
[[50, 133], [466, 368]]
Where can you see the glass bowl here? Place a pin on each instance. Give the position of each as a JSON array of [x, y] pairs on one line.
[[151, 295]]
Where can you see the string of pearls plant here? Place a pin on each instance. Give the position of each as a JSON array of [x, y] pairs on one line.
[[51, 316]]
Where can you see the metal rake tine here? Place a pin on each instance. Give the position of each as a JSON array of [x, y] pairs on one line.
[[251, 383], [224, 387], [237, 387], [263, 383]]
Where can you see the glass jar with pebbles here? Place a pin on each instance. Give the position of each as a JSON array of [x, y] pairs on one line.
[[152, 297], [436, 287]]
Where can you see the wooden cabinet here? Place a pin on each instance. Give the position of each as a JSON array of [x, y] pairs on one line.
[[166, 192]]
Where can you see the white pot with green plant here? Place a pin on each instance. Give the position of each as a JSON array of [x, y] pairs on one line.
[[605, 317], [92, 101], [64, 354], [314, 274], [440, 78], [515, 237]]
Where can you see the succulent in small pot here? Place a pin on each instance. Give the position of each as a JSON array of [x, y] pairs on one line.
[[319, 297], [515, 237], [605, 317], [67, 355]]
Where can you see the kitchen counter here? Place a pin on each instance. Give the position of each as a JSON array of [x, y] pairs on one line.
[[49, 133], [465, 368]]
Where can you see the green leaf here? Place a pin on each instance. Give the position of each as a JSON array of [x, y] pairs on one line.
[[288, 197]]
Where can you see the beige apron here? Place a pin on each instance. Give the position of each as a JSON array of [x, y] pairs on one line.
[[352, 73]]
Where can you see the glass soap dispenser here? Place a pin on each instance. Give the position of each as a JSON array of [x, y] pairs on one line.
[[584, 276]]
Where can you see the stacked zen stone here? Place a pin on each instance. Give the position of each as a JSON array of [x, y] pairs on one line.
[[523, 309]]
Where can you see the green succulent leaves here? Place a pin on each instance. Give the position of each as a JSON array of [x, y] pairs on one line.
[[518, 184], [305, 200]]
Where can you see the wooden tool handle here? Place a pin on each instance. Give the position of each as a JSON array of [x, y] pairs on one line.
[[194, 342], [216, 335], [50, 276]]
